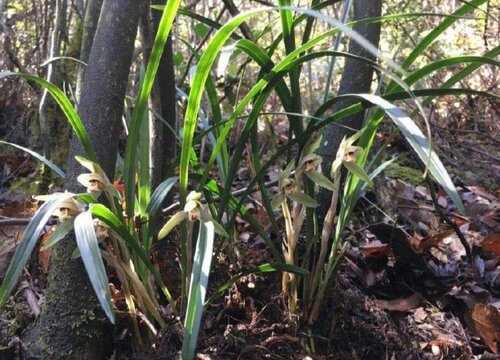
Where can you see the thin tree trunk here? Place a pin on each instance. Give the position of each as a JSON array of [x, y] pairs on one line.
[[53, 51], [163, 141], [71, 325], [233, 10], [357, 77], [92, 12]]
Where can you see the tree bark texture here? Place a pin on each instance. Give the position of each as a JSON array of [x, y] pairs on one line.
[[71, 325], [356, 78], [92, 12], [164, 152], [53, 52]]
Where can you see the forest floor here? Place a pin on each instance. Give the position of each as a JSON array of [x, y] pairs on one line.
[[406, 289]]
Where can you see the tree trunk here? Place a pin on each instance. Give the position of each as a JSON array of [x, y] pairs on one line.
[[53, 52], [92, 12], [162, 142], [165, 79], [356, 78], [163, 146], [71, 325]]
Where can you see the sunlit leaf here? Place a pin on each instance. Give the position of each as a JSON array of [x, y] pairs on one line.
[[175, 220], [89, 250], [198, 288], [420, 144], [168, 15]]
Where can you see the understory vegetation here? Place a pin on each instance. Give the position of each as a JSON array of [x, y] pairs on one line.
[[249, 179]]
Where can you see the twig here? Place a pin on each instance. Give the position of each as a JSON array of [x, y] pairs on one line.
[[7, 221]]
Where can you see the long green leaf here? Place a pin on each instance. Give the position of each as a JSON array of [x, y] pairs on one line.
[[86, 240], [59, 233], [195, 16], [199, 80], [438, 30], [317, 126], [419, 143], [159, 195], [436, 65], [141, 106], [465, 72], [27, 244], [65, 106], [367, 138], [36, 155], [287, 25], [198, 289]]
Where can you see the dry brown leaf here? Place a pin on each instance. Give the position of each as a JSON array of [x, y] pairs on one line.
[[430, 241], [478, 190], [7, 247], [403, 304], [491, 243], [487, 322], [44, 255], [374, 248]]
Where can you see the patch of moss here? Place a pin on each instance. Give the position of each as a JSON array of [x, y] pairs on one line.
[[85, 325], [404, 173]]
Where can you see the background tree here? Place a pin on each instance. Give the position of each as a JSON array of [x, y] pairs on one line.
[[357, 77], [71, 324]]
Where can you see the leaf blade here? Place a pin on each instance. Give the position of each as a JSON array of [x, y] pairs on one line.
[[88, 245], [198, 288]]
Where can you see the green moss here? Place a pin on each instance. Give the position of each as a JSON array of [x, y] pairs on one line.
[[404, 173]]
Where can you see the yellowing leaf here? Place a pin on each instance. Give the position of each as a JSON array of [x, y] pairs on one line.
[[175, 220]]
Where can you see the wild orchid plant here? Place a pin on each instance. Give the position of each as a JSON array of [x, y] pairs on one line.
[[123, 248]]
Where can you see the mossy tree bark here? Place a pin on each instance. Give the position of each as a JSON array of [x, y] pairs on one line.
[[71, 324], [357, 77]]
